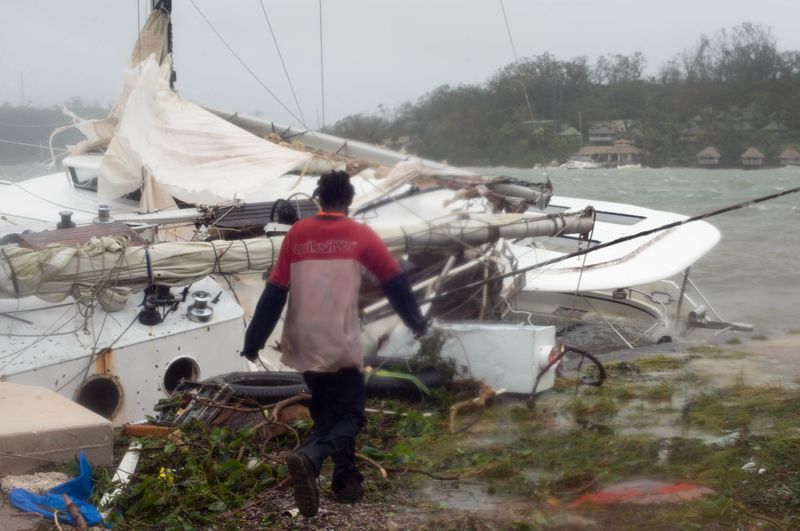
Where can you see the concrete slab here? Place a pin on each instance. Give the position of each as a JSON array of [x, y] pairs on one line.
[[42, 427], [11, 519]]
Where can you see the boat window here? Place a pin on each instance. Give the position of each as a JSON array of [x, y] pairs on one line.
[[83, 178], [617, 218], [566, 244], [562, 244]]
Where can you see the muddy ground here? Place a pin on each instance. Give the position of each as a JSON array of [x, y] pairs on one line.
[[721, 417]]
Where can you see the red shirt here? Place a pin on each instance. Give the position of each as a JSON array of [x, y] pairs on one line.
[[320, 261]]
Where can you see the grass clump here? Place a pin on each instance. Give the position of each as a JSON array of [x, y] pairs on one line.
[[647, 364], [739, 406], [588, 408], [660, 392], [707, 351]]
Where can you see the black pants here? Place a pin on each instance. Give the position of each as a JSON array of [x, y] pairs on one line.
[[337, 409]]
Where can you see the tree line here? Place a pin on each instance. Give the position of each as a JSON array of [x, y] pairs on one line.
[[733, 90]]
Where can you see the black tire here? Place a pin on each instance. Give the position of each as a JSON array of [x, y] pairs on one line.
[[264, 387], [388, 387], [270, 387]]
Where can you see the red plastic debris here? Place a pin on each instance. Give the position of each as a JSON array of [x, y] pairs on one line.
[[645, 492]]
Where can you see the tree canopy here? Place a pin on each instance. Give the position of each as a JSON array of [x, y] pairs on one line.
[[724, 91]]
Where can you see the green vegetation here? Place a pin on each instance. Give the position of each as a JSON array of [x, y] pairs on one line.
[[746, 407], [647, 364], [192, 482], [732, 90]]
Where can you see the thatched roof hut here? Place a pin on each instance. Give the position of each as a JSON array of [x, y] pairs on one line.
[[752, 157], [708, 157], [789, 157]]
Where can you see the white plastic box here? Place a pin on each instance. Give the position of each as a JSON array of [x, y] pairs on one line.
[[502, 355]]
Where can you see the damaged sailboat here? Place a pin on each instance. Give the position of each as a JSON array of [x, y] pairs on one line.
[[132, 294]]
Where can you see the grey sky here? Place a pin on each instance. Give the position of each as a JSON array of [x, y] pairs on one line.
[[376, 51]]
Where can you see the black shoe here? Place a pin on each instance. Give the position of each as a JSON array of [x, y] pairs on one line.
[[347, 488], [306, 494]]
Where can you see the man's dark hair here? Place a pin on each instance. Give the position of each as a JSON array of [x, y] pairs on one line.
[[334, 191]]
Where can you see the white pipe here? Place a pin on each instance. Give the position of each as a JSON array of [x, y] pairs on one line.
[[122, 476]]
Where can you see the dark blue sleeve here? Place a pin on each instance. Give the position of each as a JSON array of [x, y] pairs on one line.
[[398, 291], [268, 311]]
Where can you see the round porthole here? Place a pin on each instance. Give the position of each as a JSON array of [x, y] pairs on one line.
[[101, 393], [180, 369]]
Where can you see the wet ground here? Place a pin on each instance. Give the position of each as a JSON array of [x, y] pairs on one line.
[[648, 396]]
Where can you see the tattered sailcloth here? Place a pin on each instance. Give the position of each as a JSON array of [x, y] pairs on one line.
[[169, 147]]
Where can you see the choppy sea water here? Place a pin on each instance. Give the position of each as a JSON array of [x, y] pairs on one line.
[[752, 275]]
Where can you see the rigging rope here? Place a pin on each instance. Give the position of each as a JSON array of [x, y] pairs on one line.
[[283, 63], [516, 60], [30, 145], [522, 81], [249, 70], [321, 65]]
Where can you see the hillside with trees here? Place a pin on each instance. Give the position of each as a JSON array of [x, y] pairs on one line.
[[733, 90]]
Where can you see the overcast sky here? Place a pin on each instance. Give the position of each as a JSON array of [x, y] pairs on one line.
[[376, 51]]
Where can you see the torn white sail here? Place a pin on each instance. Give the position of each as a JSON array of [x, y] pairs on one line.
[[167, 147], [152, 40], [185, 151]]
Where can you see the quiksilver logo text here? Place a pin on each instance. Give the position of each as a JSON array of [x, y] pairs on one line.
[[324, 247]]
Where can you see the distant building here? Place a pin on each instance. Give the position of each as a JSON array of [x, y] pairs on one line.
[[789, 157], [602, 136], [570, 133], [690, 134], [708, 157], [622, 152], [752, 158]]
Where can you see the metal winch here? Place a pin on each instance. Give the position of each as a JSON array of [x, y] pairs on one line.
[[200, 311]]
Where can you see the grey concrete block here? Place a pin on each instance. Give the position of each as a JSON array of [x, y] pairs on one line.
[[39, 426]]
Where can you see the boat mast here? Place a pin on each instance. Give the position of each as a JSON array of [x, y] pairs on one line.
[[166, 5]]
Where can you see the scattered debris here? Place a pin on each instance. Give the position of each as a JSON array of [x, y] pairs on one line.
[[480, 402], [122, 476]]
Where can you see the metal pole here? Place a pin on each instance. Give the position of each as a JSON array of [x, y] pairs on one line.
[[680, 297]]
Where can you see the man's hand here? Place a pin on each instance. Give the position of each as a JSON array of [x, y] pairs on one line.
[[251, 356], [421, 331]]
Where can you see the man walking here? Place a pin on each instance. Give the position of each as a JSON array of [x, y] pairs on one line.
[[319, 269]]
